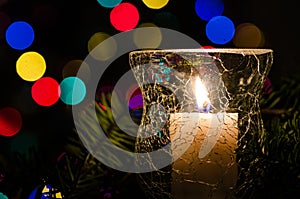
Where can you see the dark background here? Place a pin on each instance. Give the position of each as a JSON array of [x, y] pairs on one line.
[[63, 28]]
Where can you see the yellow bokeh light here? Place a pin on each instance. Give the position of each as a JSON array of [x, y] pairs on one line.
[[155, 4], [106, 50], [31, 66], [248, 35], [147, 35], [96, 39]]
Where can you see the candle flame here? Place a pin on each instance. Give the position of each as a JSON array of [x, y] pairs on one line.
[[203, 101]]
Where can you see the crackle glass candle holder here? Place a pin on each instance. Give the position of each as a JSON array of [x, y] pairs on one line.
[[201, 115]]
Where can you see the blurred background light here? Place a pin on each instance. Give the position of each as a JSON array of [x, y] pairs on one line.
[[144, 37], [207, 9], [31, 66], [104, 51], [207, 47], [109, 3], [132, 90], [45, 91], [33, 194], [248, 35], [220, 30], [124, 17], [155, 4], [2, 196], [10, 121], [136, 102], [19, 35], [73, 90]]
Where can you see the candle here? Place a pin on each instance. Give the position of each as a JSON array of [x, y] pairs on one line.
[[203, 147], [203, 158]]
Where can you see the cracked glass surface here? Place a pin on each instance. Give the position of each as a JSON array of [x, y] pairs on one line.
[[208, 140]]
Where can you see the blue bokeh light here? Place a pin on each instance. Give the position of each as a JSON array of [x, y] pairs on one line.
[[207, 9], [109, 3], [73, 90], [20, 35], [220, 30], [33, 194]]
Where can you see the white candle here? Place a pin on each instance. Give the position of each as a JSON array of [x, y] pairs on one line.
[[203, 147], [207, 164]]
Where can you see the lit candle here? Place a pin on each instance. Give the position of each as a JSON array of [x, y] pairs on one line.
[[203, 147]]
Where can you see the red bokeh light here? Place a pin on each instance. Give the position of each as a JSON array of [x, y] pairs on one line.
[[10, 121], [45, 91], [124, 17]]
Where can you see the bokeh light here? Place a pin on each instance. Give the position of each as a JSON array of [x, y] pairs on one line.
[[2, 196], [31, 66], [132, 90], [72, 67], [220, 30], [10, 121], [33, 194], [107, 49], [135, 106], [136, 102], [73, 90], [45, 91], [147, 37], [124, 17], [207, 47], [207, 9], [155, 4], [167, 20], [19, 35], [109, 3], [248, 35], [4, 23]]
